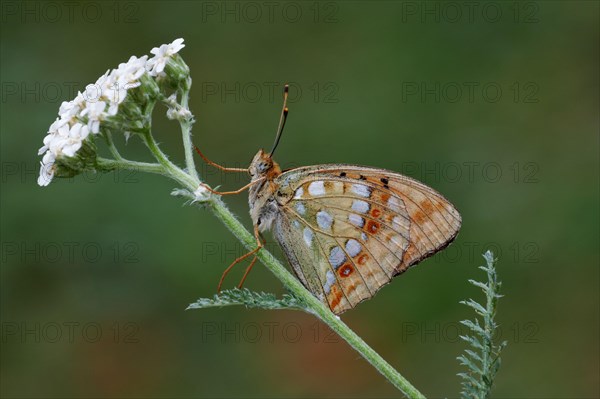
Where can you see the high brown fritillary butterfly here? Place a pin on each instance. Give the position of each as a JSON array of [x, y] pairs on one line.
[[346, 230]]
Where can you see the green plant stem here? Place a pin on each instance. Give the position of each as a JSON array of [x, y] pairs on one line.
[[186, 128], [111, 146], [172, 170], [112, 164]]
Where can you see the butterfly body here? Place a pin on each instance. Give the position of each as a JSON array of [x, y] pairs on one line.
[[347, 230], [261, 199]]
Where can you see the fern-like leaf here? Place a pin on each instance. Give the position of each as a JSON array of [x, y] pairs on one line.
[[476, 328], [250, 299], [474, 342], [483, 359], [480, 310]]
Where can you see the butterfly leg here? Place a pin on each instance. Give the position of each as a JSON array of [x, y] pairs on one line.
[[241, 258], [231, 192], [249, 268], [216, 165]]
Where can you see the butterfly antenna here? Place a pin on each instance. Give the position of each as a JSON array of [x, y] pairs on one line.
[[282, 118]]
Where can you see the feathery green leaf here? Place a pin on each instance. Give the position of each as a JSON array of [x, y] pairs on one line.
[[250, 299], [483, 360]]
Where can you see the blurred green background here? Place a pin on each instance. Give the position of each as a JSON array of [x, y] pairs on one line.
[[494, 104]]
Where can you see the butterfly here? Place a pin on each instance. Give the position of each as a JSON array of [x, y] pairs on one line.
[[346, 230]]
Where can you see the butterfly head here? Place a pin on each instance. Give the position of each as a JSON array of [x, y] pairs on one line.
[[263, 167]]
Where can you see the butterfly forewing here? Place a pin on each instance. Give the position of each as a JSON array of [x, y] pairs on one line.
[[347, 230]]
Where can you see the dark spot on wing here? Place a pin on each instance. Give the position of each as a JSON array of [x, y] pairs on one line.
[[346, 270], [372, 226]]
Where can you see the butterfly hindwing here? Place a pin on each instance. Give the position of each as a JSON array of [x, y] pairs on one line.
[[350, 243], [347, 230]]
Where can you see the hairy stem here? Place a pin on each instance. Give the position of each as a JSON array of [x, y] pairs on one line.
[[111, 164], [186, 128], [111, 146], [173, 171]]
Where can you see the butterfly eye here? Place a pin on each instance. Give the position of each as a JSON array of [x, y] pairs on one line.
[[262, 166]]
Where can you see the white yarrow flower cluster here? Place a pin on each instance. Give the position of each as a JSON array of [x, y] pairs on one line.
[[99, 102]]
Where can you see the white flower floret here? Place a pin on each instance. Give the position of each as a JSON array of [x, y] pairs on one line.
[[125, 77], [72, 143], [59, 123], [95, 113], [46, 173], [129, 73], [48, 158], [156, 64], [101, 89], [69, 109]]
